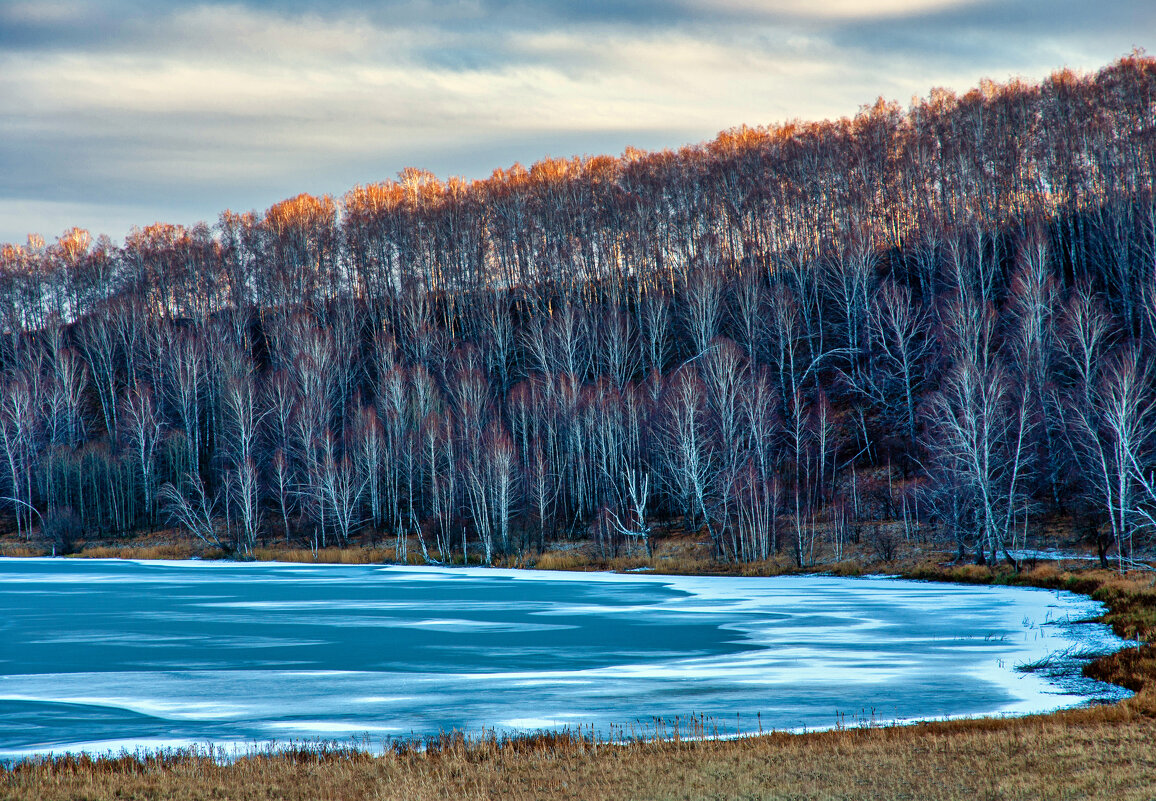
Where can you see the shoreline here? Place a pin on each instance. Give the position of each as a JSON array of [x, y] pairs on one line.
[[1035, 755], [1060, 671]]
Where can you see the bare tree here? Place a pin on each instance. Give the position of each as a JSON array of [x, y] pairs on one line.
[[847, 281], [1084, 345], [897, 331], [368, 442], [143, 429], [65, 398], [689, 455], [18, 437], [702, 318], [654, 313], [283, 487], [636, 494], [97, 338], [1113, 434], [980, 429], [616, 354], [243, 415], [491, 489], [192, 509], [340, 488], [443, 472], [183, 383]]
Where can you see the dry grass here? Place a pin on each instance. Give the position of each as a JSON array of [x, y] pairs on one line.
[[561, 560], [17, 549], [576, 560], [356, 555], [173, 550], [1075, 755], [1130, 597]]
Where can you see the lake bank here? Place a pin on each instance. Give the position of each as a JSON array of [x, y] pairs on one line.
[[1104, 752], [106, 654], [1064, 754]]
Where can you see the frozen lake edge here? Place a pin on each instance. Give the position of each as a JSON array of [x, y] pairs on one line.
[[746, 654]]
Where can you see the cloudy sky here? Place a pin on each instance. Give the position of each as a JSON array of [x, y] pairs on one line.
[[127, 112]]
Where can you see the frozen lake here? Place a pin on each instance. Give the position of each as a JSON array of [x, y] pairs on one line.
[[104, 654]]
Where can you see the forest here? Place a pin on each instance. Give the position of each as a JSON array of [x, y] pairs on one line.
[[941, 316]]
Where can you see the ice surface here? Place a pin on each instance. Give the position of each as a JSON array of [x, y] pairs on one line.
[[98, 652]]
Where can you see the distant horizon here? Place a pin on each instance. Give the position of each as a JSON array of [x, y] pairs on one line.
[[123, 113]]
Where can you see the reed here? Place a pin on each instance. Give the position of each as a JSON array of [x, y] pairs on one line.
[[1098, 753], [16, 549], [176, 550], [354, 555]]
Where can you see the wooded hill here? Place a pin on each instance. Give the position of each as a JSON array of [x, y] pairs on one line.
[[944, 315]]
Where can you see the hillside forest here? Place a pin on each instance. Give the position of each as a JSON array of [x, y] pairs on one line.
[[941, 318]]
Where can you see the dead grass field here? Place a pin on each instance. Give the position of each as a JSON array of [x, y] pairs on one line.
[[1098, 753]]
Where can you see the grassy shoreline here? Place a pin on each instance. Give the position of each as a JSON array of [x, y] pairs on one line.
[[1103, 751]]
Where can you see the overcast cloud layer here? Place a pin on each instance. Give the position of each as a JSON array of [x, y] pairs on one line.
[[127, 112]]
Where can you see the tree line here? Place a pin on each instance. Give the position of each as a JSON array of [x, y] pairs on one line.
[[943, 315]]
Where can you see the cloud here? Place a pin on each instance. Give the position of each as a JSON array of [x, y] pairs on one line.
[[836, 9], [129, 111]]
